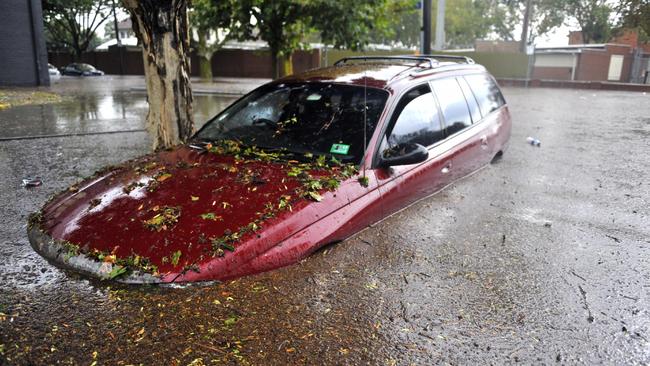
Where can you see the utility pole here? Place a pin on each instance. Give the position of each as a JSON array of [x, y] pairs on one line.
[[426, 27], [440, 26], [524, 28]]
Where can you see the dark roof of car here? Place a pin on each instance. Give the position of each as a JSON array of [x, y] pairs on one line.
[[374, 73]]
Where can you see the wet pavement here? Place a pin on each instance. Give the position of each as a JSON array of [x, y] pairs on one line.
[[107, 105], [541, 258]]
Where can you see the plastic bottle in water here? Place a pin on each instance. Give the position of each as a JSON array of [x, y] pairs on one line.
[[533, 141]]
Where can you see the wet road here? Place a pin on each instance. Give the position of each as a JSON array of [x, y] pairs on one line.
[[540, 258], [106, 105]]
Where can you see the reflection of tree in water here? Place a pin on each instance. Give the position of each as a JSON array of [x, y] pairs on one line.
[[101, 112], [83, 108], [129, 103]]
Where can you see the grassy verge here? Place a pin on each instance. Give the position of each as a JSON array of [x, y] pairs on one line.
[[16, 97]]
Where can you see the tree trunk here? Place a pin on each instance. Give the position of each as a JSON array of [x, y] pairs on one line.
[[76, 54], [287, 64], [205, 58], [161, 26], [205, 68], [275, 63]]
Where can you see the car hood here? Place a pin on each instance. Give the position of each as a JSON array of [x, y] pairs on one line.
[[182, 208]]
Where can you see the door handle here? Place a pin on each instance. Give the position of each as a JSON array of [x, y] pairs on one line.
[[484, 141], [446, 168]]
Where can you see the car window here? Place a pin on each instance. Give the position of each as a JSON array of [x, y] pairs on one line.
[[317, 118], [452, 104], [416, 119], [486, 91], [470, 99]]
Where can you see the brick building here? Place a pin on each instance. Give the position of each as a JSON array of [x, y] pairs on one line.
[[23, 57], [623, 59]]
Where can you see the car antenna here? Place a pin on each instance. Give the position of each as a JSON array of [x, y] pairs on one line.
[[365, 119]]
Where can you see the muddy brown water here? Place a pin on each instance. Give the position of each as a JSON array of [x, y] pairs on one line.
[[540, 258]]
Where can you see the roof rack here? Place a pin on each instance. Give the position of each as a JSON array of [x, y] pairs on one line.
[[465, 59], [431, 60], [419, 60]]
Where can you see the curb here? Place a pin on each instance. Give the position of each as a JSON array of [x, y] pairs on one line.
[[573, 84]]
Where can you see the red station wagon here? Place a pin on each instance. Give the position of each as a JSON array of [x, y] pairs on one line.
[[298, 163]]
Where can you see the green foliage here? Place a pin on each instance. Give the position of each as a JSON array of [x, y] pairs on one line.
[[211, 216], [363, 180], [593, 16], [164, 219], [636, 14], [219, 19], [283, 24], [71, 24], [468, 20], [352, 24], [176, 256], [117, 271], [465, 21]]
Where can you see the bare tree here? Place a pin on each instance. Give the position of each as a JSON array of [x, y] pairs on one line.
[[161, 26], [71, 24]]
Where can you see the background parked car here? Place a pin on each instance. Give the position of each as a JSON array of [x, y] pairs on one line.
[[80, 69], [55, 75]]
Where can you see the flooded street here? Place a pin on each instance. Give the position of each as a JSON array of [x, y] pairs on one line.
[[541, 258], [102, 111]]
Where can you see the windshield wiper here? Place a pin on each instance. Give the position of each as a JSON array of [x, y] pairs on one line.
[[199, 144]]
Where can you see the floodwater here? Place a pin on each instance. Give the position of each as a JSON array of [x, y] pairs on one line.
[[542, 258], [92, 113]]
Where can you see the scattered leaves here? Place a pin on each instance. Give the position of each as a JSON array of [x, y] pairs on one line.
[[131, 186], [230, 321], [94, 203], [163, 177], [167, 217], [363, 180], [211, 216], [315, 196], [117, 271], [176, 256]]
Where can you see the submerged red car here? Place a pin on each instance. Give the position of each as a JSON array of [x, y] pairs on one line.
[[298, 163]]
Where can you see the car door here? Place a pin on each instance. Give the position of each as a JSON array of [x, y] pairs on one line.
[[493, 110], [465, 140], [415, 119]]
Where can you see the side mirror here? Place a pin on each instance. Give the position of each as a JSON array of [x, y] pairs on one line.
[[404, 154]]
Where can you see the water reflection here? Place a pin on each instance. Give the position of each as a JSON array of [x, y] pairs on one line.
[[93, 113]]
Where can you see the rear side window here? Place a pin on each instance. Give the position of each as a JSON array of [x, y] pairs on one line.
[[452, 104], [471, 100], [486, 91], [417, 119]]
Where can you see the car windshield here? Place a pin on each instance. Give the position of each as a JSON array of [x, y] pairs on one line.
[[85, 67], [308, 118]]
